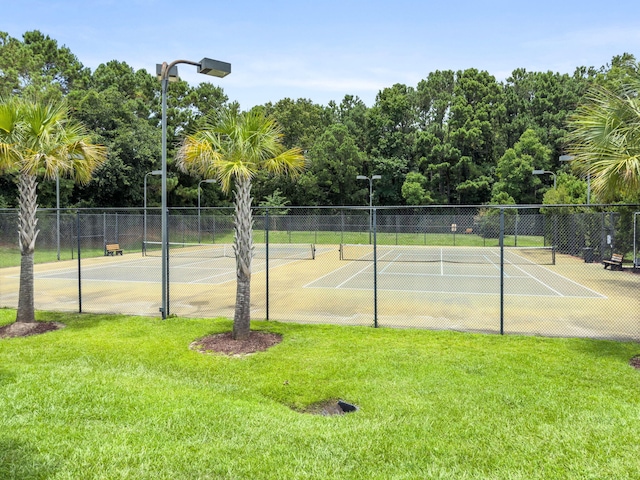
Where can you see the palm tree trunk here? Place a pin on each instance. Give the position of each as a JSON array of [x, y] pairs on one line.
[[27, 234], [243, 244]]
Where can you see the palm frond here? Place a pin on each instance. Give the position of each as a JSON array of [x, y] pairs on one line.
[[234, 146], [604, 138]]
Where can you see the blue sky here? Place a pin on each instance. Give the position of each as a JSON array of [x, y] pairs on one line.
[[324, 50]]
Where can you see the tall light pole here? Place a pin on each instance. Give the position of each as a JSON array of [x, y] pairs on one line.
[[370, 179], [543, 172], [165, 72], [568, 158], [208, 180], [144, 232], [58, 213]]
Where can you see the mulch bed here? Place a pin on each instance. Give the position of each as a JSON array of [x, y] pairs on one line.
[[16, 329], [224, 343]]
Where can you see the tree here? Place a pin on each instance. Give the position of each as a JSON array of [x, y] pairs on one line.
[[393, 172], [302, 121], [604, 138], [232, 148], [133, 143], [38, 65], [275, 203], [352, 112], [38, 138], [391, 123], [515, 166], [569, 190], [335, 162], [413, 190], [541, 101]]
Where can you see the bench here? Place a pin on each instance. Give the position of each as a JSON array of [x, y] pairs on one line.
[[615, 263], [112, 249]]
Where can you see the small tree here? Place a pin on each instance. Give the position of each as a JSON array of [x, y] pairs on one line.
[[232, 148], [39, 138]]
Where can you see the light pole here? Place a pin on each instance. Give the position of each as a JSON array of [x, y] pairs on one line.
[[542, 172], [58, 213], [208, 180], [144, 233], [166, 71], [370, 179], [568, 158]]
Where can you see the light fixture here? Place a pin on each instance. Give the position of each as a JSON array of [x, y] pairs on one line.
[[168, 72]]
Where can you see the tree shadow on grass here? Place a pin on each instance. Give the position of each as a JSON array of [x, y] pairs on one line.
[[21, 461], [6, 377], [611, 349]]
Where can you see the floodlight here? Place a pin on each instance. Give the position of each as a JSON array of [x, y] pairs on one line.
[[215, 68], [173, 73]]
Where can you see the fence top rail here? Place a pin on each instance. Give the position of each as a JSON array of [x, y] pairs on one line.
[[140, 208]]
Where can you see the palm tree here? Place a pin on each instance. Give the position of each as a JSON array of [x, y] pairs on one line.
[[39, 138], [232, 148], [604, 138]]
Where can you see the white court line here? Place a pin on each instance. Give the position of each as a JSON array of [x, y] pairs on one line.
[[330, 273], [400, 274], [352, 276], [225, 272], [128, 263], [570, 281], [540, 281], [526, 275], [457, 292], [495, 265], [550, 271]]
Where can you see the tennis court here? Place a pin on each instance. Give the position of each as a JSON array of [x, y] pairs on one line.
[[474, 271], [447, 288], [465, 271]]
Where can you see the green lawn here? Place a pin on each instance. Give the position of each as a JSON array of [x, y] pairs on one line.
[[382, 238], [10, 256], [115, 397]]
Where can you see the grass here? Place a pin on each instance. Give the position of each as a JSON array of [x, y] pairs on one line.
[[10, 256], [383, 238], [124, 397]]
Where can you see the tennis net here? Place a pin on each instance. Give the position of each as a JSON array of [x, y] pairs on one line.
[[294, 251], [468, 255]]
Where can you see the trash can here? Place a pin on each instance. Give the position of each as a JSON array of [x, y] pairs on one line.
[[587, 254]]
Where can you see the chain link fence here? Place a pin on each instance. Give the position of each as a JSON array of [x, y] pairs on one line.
[[517, 270]]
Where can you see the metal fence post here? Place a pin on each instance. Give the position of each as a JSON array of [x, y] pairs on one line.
[[266, 241], [167, 313], [501, 271], [79, 264], [375, 269]]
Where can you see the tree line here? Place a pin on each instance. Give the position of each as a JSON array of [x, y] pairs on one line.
[[457, 137]]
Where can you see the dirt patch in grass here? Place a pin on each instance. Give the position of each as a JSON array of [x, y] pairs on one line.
[[635, 362], [328, 407], [19, 329], [225, 344]]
